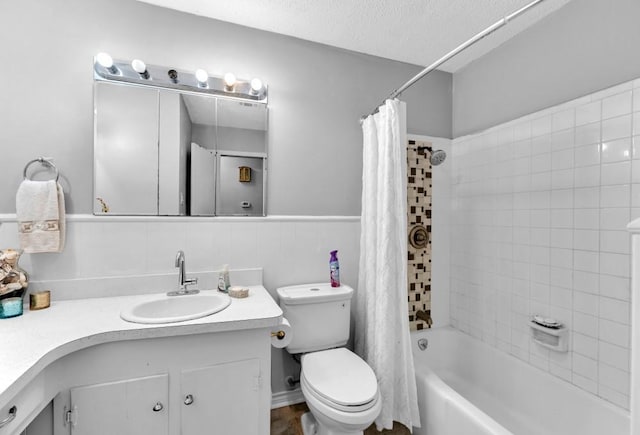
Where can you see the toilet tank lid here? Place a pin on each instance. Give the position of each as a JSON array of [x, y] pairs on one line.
[[313, 293]]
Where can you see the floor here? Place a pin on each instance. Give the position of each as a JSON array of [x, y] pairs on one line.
[[286, 421]]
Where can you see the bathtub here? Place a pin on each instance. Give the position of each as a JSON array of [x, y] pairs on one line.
[[466, 387]]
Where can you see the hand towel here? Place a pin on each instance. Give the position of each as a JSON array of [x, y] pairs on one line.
[[41, 216]]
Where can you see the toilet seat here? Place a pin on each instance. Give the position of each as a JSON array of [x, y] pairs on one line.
[[340, 379]]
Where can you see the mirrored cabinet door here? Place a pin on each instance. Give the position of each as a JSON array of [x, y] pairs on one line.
[[126, 150]]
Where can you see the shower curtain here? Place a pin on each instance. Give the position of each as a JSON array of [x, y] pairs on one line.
[[382, 324]]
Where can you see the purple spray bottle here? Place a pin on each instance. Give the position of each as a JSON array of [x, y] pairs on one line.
[[334, 269]]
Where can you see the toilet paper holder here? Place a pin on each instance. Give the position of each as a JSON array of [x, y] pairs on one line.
[[279, 334]]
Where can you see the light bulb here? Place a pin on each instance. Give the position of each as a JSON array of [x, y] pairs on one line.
[[256, 86], [202, 77], [106, 61], [229, 80], [140, 67]]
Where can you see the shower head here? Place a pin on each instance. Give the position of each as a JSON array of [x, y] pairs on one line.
[[437, 157]]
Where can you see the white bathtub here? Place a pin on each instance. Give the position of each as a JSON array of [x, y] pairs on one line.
[[466, 387]]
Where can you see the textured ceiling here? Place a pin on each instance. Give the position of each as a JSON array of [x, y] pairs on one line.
[[413, 31]]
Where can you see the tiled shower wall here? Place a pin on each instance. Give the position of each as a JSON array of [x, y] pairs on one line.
[[540, 206], [419, 193]]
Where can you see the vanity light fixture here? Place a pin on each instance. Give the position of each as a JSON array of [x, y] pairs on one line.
[[140, 67], [202, 77], [229, 82], [106, 61], [137, 72], [256, 86]]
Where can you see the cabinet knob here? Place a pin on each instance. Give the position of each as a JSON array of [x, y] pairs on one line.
[[13, 411], [158, 407], [188, 399]]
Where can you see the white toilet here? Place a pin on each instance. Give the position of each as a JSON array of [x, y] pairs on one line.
[[340, 388]]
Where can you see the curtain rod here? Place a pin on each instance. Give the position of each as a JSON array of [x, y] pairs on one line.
[[455, 51]]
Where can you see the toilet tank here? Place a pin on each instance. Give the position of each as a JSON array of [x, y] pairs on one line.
[[319, 315]]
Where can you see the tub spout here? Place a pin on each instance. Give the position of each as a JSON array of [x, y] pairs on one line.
[[425, 316]]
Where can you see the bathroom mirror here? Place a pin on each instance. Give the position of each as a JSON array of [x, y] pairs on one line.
[[165, 152]]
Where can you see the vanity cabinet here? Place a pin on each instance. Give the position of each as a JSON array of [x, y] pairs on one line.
[[217, 383], [131, 407], [220, 399]]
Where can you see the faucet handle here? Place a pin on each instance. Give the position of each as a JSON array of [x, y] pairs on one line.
[[188, 282], [191, 281]]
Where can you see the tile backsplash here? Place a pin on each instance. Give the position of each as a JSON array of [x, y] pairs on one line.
[[539, 208]]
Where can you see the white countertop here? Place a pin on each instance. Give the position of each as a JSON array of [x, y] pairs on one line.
[[37, 338]]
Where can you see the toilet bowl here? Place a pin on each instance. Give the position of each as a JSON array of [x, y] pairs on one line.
[[341, 392], [339, 387]]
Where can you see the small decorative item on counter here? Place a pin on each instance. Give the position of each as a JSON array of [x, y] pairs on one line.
[[13, 283], [223, 279], [39, 300], [238, 292]]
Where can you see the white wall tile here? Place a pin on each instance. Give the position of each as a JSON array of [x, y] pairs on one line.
[[587, 155], [563, 120], [585, 367], [616, 128], [616, 150], [615, 310], [587, 240], [586, 197], [614, 378], [585, 324], [586, 261], [615, 242], [615, 173], [585, 303], [614, 332], [615, 287], [614, 218], [588, 176], [586, 281], [614, 356], [588, 113], [585, 345], [566, 138], [614, 264], [588, 134], [586, 218], [615, 196], [616, 105]]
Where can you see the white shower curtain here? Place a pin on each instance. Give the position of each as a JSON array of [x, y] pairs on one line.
[[382, 325]]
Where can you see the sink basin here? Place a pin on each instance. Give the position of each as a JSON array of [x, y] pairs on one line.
[[170, 309]]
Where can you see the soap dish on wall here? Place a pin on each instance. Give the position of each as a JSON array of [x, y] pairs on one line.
[[552, 335]]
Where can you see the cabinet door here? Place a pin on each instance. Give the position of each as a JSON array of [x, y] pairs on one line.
[[225, 399], [126, 149], [123, 408]]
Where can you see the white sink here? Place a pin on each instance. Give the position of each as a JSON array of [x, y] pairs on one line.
[[169, 309]]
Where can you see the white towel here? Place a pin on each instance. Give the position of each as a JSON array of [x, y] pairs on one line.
[[40, 213]]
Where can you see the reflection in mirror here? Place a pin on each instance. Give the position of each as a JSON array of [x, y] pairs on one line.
[[171, 153]]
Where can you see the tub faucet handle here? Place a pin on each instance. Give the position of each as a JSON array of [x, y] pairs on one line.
[[425, 316]]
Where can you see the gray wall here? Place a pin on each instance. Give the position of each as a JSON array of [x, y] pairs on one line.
[[585, 46], [317, 94]]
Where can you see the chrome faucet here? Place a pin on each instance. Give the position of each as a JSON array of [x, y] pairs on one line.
[[183, 281]]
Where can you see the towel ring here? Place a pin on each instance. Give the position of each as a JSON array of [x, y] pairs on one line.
[[44, 161]]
